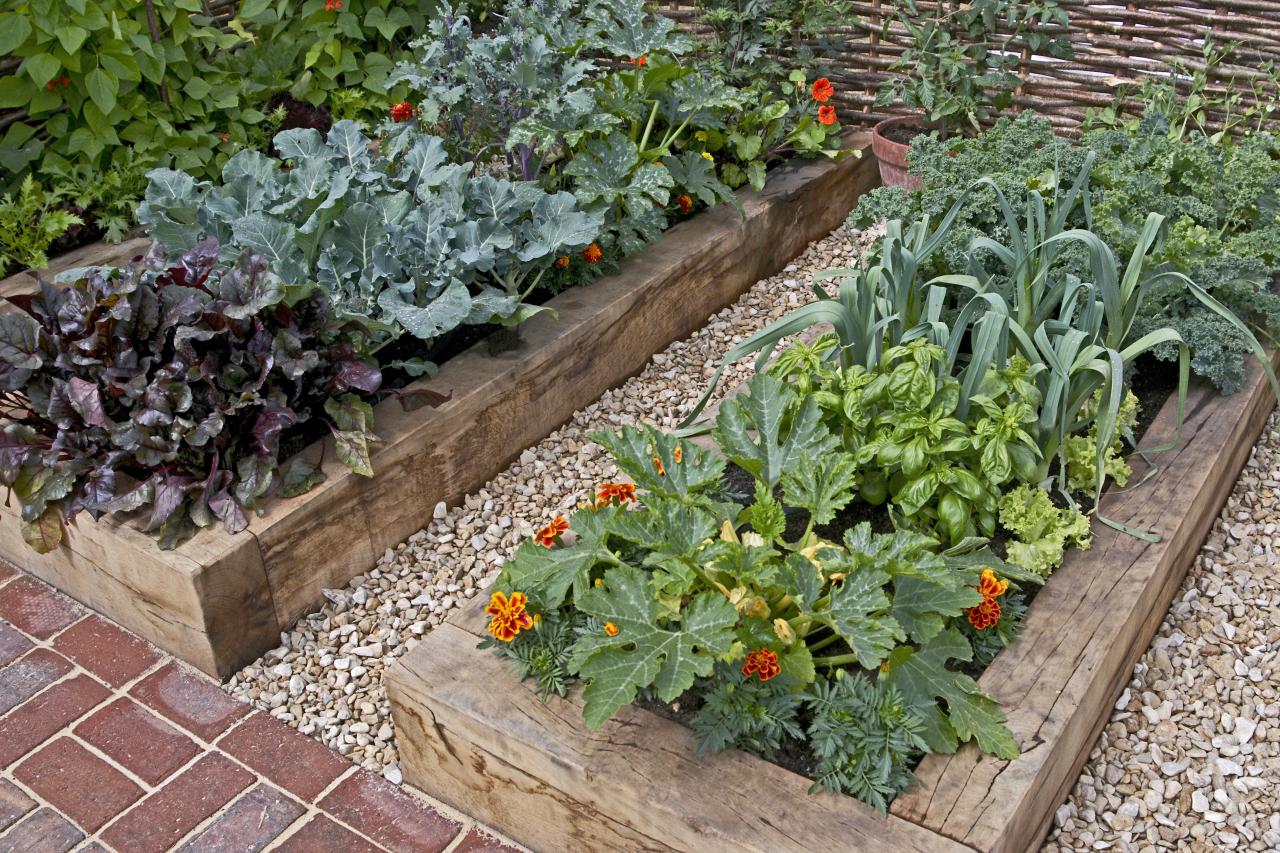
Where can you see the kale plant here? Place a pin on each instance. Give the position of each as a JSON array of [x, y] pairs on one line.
[[390, 231], [168, 387]]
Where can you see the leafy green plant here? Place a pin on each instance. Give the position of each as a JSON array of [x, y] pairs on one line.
[[170, 385], [960, 66], [391, 228], [1043, 530], [30, 221], [693, 590]]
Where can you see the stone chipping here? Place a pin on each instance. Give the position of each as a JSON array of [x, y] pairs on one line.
[[1190, 759], [325, 677]]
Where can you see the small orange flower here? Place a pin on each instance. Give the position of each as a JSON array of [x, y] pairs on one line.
[[592, 254], [763, 663], [509, 616], [562, 262], [615, 493], [640, 61], [611, 629], [827, 115], [546, 537], [822, 90], [224, 136], [990, 586], [684, 202], [657, 463], [985, 614], [333, 5], [678, 455], [402, 111]]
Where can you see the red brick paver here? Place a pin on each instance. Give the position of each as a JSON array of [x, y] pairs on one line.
[[108, 745]]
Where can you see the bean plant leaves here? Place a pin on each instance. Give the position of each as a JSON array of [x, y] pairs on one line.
[[922, 676], [644, 654]]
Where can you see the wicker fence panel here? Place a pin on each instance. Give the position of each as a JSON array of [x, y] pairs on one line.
[[1116, 46]]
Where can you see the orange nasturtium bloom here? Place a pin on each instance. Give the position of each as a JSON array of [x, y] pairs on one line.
[[986, 614], [546, 537], [611, 629], [763, 663], [823, 90], [610, 493], [684, 202], [826, 114], [509, 616], [562, 262], [592, 254], [402, 111], [332, 5], [640, 61]]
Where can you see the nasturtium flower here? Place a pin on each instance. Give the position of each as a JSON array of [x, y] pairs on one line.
[[684, 202], [402, 111], [611, 629], [592, 254], [823, 90], [619, 493], [546, 537], [827, 114], [562, 262], [333, 5], [763, 663], [640, 61], [509, 616]]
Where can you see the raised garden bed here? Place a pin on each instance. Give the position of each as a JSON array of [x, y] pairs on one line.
[[219, 601], [471, 736]]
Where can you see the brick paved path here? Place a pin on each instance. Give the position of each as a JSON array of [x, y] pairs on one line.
[[107, 743]]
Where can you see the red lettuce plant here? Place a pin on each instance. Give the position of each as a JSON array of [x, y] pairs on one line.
[[168, 386]]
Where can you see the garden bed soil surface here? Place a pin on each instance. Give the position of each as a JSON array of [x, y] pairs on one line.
[[470, 734], [218, 601]]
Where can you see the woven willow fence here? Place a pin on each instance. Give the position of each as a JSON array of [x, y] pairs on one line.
[[1115, 48]]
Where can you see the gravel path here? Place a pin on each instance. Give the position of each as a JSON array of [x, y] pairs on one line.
[[325, 678], [1191, 757]]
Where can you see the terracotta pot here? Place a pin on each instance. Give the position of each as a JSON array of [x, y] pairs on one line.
[[893, 155]]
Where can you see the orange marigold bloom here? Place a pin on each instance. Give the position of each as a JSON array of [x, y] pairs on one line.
[[619, 493], [684, 202], [546, 537], [592, 254], [678, 455], [985, 614], [402, 111], [822, 90], [990, 586], [827, 115], [611, 629], [509, 616], [763, 663], [562, 262]]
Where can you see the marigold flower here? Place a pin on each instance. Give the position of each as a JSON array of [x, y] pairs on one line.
[[562, 262], [684, 202], [822, 90], [619, 493], [763, 663], [402, 111], [611, 629], [985, 614], [509, 616], [827, 115], [333, 5], [990, 586], [546, 537], [592, 254]]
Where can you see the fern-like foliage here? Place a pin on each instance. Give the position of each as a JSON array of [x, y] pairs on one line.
[[749, 714]]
